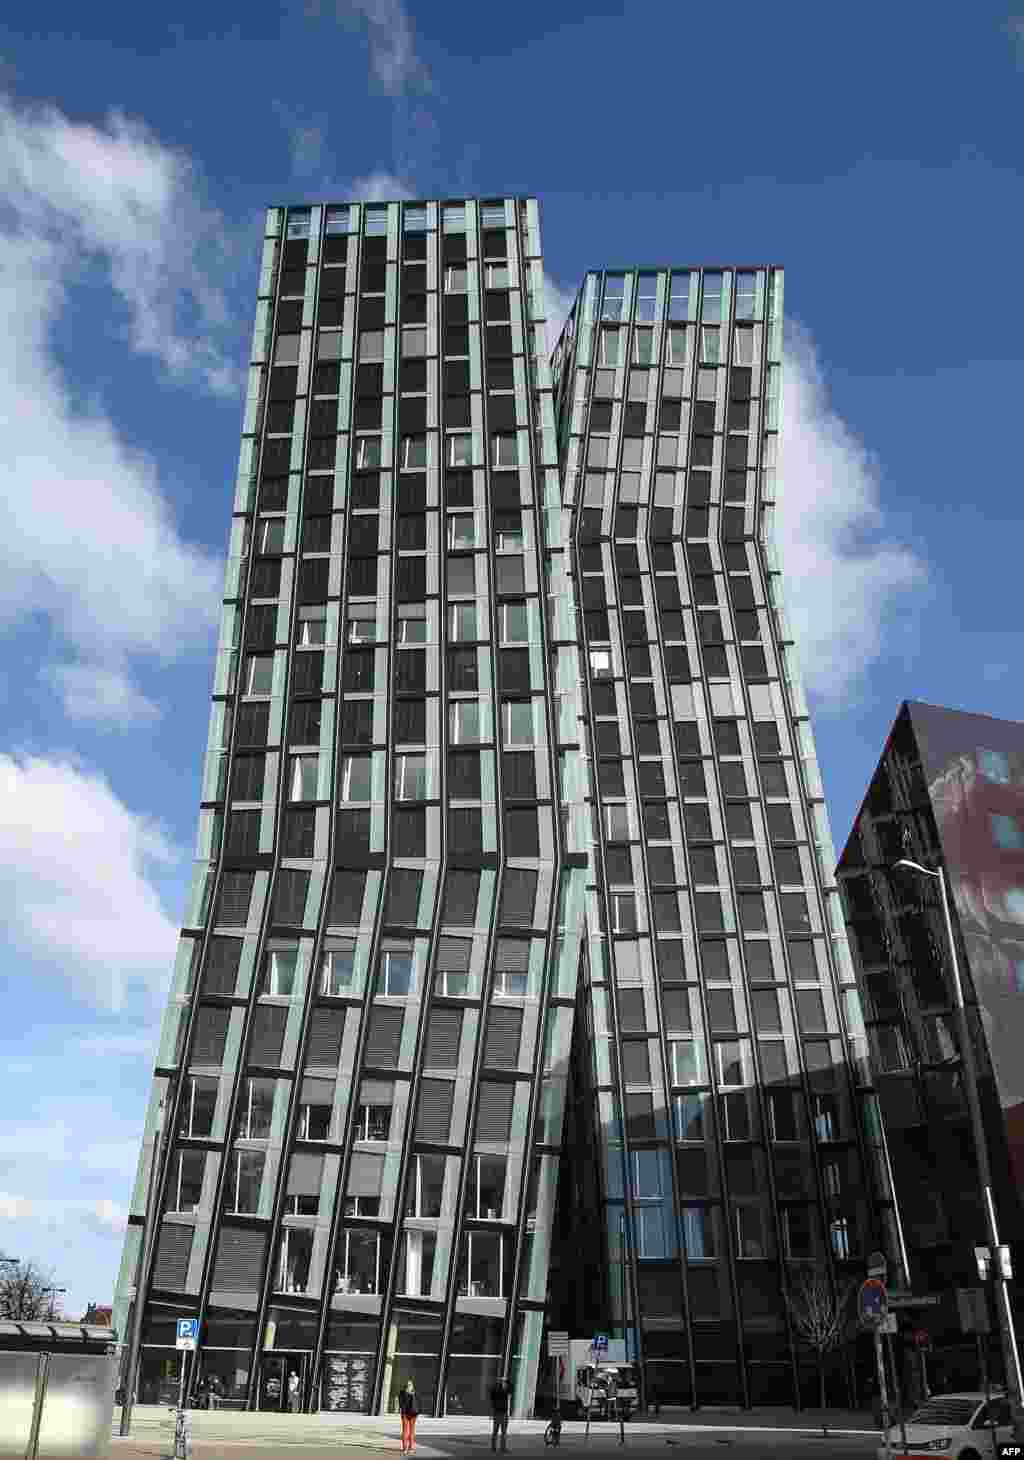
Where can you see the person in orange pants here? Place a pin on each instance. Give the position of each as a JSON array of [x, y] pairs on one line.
[[409, 1409]]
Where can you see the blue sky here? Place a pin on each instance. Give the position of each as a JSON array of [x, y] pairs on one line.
[[873, 151]]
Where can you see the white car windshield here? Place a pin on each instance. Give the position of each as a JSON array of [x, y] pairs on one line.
[[940, 1411]]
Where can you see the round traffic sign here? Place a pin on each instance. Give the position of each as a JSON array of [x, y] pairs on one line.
[[873, 1301]]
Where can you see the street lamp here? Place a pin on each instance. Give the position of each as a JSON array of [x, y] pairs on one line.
[[1007, 1333]]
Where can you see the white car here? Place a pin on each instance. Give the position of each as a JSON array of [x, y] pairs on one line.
[[957, 1426]]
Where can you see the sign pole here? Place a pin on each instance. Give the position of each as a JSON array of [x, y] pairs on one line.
[[180, 1447], [897, 1395], [883, 1393]]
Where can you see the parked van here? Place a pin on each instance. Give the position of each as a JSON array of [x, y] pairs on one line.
[[588, 1385]]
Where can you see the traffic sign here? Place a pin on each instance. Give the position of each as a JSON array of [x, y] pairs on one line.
[[558, 1345], [872, 1302], [599, 1343], [188, 1334]]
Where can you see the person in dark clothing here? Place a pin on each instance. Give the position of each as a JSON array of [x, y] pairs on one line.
[[409, 1410], [499, 1413]]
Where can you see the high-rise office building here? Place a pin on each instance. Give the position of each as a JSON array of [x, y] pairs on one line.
[[718, 1064], [948, 793], [506, 743]]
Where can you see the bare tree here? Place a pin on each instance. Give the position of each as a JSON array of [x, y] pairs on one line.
[[818, 1309], [27, 1293]]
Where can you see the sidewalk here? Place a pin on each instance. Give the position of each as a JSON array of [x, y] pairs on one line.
[[251, 1432]]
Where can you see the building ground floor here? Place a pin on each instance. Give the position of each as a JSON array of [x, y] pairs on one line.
[[282, 1380]]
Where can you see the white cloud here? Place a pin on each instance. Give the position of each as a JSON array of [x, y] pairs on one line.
[[103, 1217], [394, 63], [844, 577], [558, 302], [100, 694], [89, 541], [379, 187], [74, 887]]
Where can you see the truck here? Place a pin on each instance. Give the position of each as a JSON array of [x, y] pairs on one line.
[[589, 1380]]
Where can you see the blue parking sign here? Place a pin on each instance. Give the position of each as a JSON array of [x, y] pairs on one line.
[[188, 1333]]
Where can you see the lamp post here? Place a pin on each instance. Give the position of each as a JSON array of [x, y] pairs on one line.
[[1004, 1311]]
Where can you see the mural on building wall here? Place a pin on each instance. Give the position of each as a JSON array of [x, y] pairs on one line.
[[974, 767]]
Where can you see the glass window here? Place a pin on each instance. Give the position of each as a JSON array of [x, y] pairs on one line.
[[455, 279], [259, 674], [412, 623], [411, 779], [337, 969], [459, 448], [746, 287], [464, 721], [711, 308], [199, 1101], [255, 1109], [743, 345], [312, 625], [395, 974], [368, 452], [677, 346], [360, 625], [643, 347], [610, 347], [414, 342], [279, 964], [185, 1182], [647, 297], [732, 1058], [336, 220], [461, 530], [623, 910], [707, 384], [687, 1064], [356, 778], [426, 1186], [371, 347], [517, 723], [462, 622], [413, 452], [514, 623], [303, 773]]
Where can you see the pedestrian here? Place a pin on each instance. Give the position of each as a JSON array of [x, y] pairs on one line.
[[410, 1409], [294, 1398], [499, 1413], [213, 1391]]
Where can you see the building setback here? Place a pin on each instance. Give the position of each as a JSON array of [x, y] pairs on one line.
[[948, 792], [506, 741]]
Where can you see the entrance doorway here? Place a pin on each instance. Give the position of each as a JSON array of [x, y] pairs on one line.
[[284, 1382]]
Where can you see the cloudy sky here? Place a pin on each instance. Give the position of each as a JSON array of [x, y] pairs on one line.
[[874, 151]]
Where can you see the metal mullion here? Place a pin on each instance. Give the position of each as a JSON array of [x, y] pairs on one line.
[[388, 1294], [294, 1108], [517, 1249], [762, 585], [603, 888], [217, 1211], [719, 1153], [448, 1314], [682, 1254]]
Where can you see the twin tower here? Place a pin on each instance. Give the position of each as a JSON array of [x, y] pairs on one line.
[[513, 989]]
